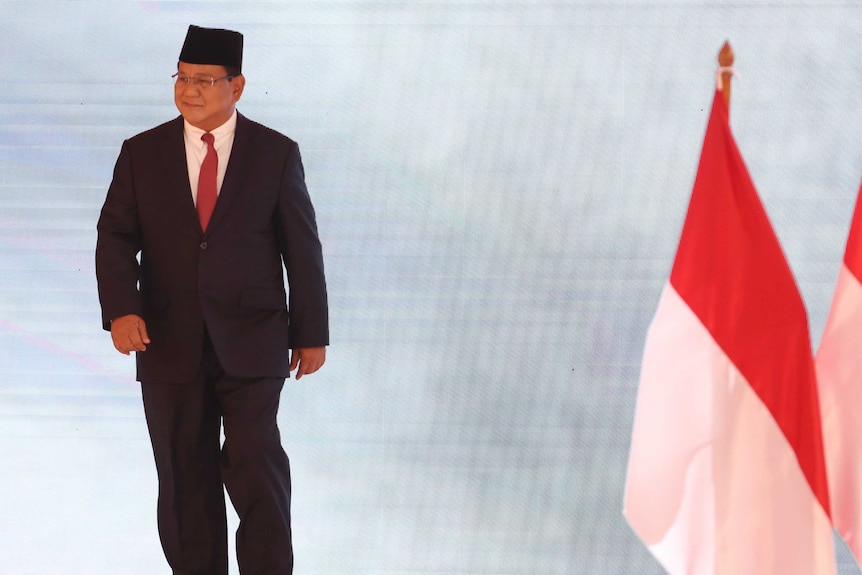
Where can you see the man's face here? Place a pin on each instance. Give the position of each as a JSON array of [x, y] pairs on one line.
[[203, 106]]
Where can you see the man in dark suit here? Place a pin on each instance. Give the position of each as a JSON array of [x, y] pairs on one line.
[[216, 208]]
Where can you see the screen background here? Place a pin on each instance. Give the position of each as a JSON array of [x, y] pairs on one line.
[[500, 187]]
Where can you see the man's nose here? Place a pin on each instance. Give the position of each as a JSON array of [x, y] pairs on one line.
[[191, 88]]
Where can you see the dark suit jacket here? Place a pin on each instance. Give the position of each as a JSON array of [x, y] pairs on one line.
[[228, 280]]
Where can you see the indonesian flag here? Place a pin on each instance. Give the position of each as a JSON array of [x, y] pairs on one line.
[[839, 375], [726, 473]]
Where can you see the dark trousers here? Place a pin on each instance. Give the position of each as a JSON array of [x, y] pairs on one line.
[[184, 422]]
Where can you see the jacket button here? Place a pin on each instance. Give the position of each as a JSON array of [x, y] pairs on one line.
[[203, 245]]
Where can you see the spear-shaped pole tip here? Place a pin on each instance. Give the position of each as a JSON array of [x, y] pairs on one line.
[[725, 62]]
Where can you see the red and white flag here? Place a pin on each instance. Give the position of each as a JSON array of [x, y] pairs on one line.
[[726, 473], [839, 376]]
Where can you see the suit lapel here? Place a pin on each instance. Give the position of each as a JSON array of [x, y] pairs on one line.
[[239, 164], [173, 153]]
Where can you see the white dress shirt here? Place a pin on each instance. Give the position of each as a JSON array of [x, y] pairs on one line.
[[196, 151]]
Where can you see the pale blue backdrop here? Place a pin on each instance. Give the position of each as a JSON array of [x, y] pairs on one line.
[[500, 187]]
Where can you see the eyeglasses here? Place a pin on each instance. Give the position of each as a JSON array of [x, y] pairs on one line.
[[203, 82]]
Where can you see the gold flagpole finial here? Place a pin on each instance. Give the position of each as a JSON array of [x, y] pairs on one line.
[[725, 63]]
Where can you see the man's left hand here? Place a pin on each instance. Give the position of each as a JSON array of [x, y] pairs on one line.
[[307, 359]]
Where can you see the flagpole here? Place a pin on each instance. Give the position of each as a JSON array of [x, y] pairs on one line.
[[725, 62]]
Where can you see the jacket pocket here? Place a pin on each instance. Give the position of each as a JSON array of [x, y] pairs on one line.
[[260, 298], [155, 301]]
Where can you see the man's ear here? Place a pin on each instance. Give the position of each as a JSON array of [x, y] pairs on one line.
[[238, 84]]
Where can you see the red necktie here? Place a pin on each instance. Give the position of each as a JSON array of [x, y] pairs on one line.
[[207, 182]]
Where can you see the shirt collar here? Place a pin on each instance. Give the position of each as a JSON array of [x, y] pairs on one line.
[[225, 130]]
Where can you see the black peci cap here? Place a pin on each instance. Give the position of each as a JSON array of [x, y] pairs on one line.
[[212, 46]]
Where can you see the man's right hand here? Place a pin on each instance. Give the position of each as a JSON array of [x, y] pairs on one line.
[[129, 333]]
